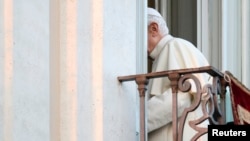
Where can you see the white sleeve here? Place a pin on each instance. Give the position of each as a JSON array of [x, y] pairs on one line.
[[160, 108]]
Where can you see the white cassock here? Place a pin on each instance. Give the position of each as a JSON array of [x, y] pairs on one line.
[[170, 54]]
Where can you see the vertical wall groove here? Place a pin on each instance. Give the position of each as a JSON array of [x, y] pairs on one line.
[[63, 70], [68, 69], [8, 69], [97, 68], [55, 134]]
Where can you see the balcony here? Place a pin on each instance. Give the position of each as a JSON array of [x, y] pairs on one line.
[[213, 106]]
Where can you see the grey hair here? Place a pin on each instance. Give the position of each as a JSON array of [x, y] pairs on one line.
[[157, 18]]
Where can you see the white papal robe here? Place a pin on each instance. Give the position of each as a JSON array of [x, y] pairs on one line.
[[170, 54]]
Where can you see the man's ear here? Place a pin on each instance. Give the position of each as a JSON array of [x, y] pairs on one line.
[[153, 28]]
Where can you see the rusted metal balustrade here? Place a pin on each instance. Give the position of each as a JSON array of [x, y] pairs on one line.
[[213, 106]]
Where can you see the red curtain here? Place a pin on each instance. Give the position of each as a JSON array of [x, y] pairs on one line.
[[240, 98]]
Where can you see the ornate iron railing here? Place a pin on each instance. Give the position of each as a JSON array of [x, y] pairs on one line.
[[213, 106]]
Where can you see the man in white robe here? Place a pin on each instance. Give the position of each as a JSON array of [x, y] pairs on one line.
[[170, 53]]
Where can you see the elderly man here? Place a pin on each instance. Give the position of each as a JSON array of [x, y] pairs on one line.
[[169, 53]]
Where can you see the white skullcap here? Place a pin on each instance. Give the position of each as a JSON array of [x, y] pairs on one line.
[[155, 16], [153, 12]]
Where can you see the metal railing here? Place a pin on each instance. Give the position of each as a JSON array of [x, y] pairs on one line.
[[213, 106]]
